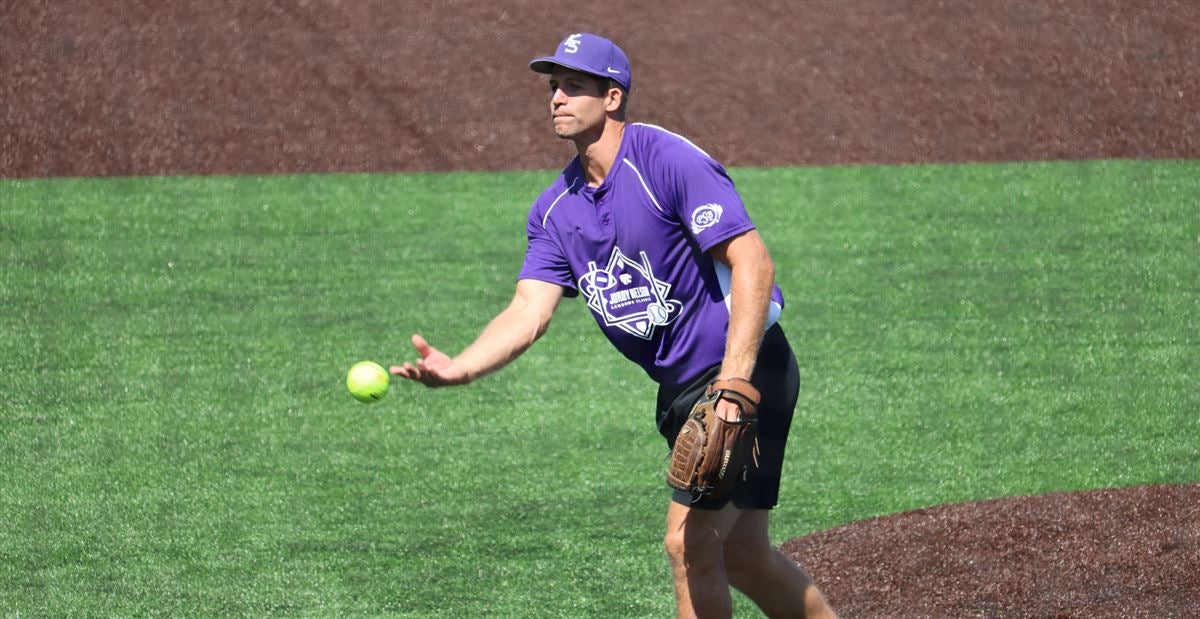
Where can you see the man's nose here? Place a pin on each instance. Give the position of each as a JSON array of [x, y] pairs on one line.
[[559, 97]]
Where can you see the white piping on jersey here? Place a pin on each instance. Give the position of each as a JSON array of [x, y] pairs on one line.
[[644, 185], [641, 178], [546, 217], [669, 132], [724, 276]]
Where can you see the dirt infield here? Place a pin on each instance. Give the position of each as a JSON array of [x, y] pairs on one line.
[[104, 88], [108, 88], [1108, 553]]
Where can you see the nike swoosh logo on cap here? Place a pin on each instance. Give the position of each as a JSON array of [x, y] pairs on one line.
[[612, 70]]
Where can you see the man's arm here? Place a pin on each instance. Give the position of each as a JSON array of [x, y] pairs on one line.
[[752, 279], [508, 335]]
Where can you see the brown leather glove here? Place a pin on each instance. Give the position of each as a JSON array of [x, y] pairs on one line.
[[711, 455]]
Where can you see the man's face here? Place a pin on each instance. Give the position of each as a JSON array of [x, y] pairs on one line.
[[578, 103]]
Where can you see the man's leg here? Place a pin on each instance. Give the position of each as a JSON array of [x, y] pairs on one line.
[[695, 542], [709, 550], [774, 582]]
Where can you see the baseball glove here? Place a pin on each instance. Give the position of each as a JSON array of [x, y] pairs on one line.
[[711, 454]]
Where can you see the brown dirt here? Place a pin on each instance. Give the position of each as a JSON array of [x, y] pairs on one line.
[[104, 88], [107, 88], [1125, 553]]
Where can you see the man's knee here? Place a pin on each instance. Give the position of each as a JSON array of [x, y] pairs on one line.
[[750, 567], [690, 551], [746, 562]]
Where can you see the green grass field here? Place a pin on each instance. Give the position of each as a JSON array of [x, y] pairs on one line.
[[177, 439]]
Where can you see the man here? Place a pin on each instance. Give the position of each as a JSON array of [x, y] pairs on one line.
[[650, 230]]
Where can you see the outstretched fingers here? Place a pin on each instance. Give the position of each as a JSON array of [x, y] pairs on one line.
[[433, 369], [404, 371], [422, 346], [410, 371]]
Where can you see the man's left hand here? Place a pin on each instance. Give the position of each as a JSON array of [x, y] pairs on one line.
[[727, 410]]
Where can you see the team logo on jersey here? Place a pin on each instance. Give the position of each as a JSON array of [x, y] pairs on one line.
[[705, 216], [626, 295]]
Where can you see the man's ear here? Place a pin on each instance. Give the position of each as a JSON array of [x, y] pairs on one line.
[[613, 100]]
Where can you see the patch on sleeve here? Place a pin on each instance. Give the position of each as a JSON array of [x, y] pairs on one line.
[[706, 216]]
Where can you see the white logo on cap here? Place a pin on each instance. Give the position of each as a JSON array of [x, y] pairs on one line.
[[705, 216], [571, 44], [612, 70]]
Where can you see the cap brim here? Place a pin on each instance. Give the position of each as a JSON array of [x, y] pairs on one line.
[[548, 64]]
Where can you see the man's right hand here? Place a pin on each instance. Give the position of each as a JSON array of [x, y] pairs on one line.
[[434, 369], [509, 334]]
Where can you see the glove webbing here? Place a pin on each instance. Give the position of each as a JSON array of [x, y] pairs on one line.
[[739, 391]]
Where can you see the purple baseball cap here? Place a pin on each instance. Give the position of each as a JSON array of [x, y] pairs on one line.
[[590, 54]]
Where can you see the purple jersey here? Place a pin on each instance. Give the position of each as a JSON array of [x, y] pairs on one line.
[[636, 248]]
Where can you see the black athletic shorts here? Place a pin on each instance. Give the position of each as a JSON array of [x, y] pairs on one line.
[[777, 378]]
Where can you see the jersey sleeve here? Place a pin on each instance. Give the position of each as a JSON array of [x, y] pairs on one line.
[[544, 259], [701, 195]]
